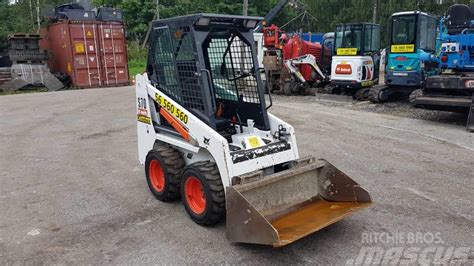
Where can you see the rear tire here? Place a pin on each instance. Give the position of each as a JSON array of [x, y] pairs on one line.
[[203, 193], [163, 167]]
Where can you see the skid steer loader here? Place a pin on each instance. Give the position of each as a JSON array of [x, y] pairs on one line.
[[204, 134]]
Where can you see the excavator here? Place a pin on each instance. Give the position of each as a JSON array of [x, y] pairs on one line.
[[453, 88], [294, 65], [283, 76], [355, 67], [205, 135], [412, 38]]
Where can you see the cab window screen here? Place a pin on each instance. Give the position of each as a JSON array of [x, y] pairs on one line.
[[403, 31]]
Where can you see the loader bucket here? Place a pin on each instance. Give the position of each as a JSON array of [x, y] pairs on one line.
[[286, 206]]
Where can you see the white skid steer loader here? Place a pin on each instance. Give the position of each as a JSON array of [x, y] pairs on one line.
[[204, 134]]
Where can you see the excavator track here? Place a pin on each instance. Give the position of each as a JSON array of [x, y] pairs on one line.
[[415, 94], [378, 94], [362, 94]]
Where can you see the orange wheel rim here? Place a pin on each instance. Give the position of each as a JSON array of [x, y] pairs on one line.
[[157, 175], [194, 193]]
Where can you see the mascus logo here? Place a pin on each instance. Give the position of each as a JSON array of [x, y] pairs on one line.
[[344, 69]]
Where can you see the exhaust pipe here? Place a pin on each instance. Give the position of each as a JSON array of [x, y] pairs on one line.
[[286, 206]]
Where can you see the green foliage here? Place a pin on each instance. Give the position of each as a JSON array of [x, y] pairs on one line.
[[14, 18], [331, 12], [136, 58], [21, 17], [321, 16], [139, 13]]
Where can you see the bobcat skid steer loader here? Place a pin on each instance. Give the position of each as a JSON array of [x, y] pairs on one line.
[[204, 134]]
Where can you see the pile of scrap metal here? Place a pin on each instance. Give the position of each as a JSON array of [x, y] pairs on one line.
[[29, 65], [5, 63], [5, 75]]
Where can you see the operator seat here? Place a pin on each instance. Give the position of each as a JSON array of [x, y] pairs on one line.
[[459, 18]]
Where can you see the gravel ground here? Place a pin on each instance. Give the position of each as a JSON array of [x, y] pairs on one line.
[[72, 190], [401, 108]]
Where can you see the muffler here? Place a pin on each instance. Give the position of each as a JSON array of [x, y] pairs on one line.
[[283, 207]]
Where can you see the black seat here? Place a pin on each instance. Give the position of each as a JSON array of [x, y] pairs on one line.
[[459, 18]]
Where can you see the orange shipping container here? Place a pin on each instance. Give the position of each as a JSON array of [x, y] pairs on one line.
[[92, 53]]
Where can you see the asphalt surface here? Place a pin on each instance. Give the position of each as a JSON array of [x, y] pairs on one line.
[[72, 190]]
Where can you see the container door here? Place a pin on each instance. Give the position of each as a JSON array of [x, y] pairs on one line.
[[86, 66], [113, 54]]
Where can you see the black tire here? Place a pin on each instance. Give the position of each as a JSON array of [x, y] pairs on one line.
[[172, 165], [213, 192]]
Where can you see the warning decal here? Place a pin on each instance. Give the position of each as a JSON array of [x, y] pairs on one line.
[[79, 48]]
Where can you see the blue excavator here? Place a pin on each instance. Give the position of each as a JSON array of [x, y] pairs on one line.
[[453, 88], [412, 37]]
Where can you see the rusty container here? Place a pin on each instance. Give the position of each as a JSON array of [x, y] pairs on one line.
[[93, 53], [113, 56]]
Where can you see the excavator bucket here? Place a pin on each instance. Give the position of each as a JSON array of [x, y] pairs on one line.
[[286, 206]]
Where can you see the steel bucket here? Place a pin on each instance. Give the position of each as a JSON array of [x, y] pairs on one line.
[[286, 206]]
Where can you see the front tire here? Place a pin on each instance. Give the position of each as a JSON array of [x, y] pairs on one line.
[[203, 193], [163, 167]]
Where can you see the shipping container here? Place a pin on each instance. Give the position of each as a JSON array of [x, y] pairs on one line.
[[114, 53], [93, 53]]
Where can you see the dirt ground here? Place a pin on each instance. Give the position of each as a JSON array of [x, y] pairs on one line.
[[72, 190]]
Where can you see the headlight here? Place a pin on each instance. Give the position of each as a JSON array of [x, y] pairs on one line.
[[250, 24], [203, 22]]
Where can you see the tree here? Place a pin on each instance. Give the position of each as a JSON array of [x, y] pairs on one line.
[[331, 12]]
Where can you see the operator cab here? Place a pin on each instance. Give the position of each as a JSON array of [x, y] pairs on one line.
[[208, 64], [411, 31], [357, 39]]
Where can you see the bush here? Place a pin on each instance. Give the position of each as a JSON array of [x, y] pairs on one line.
[[136, 58]]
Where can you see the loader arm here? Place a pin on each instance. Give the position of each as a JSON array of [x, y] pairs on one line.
[[310, 60]]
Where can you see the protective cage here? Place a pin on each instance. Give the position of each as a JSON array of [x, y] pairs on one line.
[[205, 61]]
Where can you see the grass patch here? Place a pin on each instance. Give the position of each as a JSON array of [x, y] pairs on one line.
[[137, 58], [136, 66]]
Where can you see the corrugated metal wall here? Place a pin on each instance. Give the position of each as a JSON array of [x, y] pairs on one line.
[[93, 53]]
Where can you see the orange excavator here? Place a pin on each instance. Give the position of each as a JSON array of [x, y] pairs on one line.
[[281, 50]]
